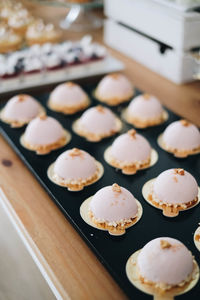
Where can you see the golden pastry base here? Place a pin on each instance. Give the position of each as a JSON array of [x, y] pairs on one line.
[[18, 124], [46, 149], [168, 211], [144, 124], [113, 101], [85, 215], [92, 137], [43, 39], [79, 186], [175, 152], [130, 169], [67, 110], [10, 47]]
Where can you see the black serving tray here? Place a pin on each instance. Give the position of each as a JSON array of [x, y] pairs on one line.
[[113, 252]]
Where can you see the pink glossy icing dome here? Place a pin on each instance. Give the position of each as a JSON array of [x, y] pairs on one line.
[[114, 86], [130, 148], [68, 94], [75, 164], [145, 107], [21, 108], [98, 120], [181, 135], [43, 131], [165, 261], [175, 186], [113, 204]]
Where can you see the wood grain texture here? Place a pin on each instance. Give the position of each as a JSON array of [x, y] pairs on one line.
[[77, 269], [75, 266], [17, 263]]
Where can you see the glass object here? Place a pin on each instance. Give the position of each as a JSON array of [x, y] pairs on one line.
[[79, 17]]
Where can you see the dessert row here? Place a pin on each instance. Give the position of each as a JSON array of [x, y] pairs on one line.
[[19, 26], [48, 57], [129, 152], [114, 208]]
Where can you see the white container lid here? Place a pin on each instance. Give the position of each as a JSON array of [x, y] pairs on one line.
[[182, 5]]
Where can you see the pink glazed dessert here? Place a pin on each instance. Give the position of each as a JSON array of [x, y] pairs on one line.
[[144, 111], [114, 89], [175, 188], [44, 134], [20, 110], [130, 152], [40, 33], [68, 98], [113, 206], [181, 138], [165, 263], [75, 169], [97, 123]]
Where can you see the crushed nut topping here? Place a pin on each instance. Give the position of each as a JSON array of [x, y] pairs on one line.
[[114, 75], [165, 244], [146, 96], [132, 133], [21, 98], [185, 123], [179, 172], [70, 84], [197, 237], [100, 108], [43, 117], [116, 188], [75, 152]]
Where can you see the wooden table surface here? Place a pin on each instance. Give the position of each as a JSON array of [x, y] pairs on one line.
[[77, 269]]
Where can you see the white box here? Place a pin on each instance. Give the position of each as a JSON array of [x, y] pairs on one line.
[[160, 19], [174, 65]]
